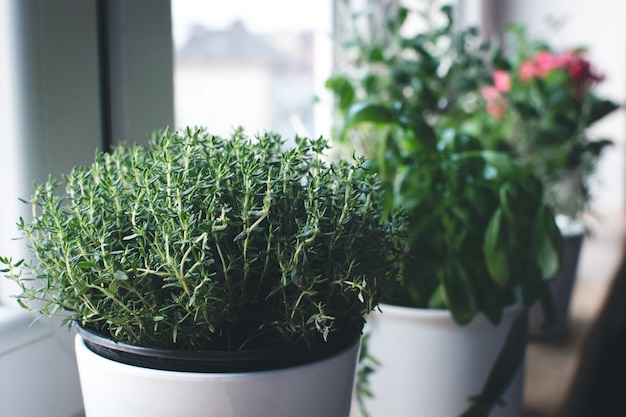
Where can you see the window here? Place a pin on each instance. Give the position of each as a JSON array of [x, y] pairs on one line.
[[260, 65], [55, 72]]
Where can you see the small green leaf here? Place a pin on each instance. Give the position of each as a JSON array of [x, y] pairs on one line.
[[458, 292], [85, 265], [240, 236], [120, 275], [550, 245], [192, 300], [494, 249]]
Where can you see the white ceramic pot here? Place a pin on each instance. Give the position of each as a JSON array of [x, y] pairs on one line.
[[321, 388], [430, 366]]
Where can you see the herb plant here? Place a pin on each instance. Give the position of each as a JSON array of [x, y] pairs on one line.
[[481, 236], [204, 242]]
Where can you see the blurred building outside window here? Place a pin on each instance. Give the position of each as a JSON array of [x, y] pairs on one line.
[[259, 65]]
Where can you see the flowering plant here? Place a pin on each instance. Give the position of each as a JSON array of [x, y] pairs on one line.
[[540, 105]]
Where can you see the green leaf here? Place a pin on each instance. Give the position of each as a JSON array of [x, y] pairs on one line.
[[526, 110], [377, 53], [85, 265], [342, 87], [437, 300], [549, 245], [241, 236], [600, 109], [369, 112], [458, 292], [494, 249], [120, 275]]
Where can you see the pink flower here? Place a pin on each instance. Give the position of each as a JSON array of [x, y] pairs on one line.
[[502, 81], [496, 102], [546, 62], [527, 71], [539, 66], [489, 92]]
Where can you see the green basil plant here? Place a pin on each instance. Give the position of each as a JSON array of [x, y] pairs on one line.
[[481, 235]]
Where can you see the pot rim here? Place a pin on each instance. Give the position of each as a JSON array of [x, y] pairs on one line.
[[570, 227], [213, 361], [439, 315]]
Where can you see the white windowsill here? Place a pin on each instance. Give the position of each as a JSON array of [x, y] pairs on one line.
[[18, 330], [38, 374]]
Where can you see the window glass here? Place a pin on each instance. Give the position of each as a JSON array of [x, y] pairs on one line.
[[250, 63]]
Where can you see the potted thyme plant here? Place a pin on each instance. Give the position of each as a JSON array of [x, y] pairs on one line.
[[244, 268], [540, 105], [483, 245]]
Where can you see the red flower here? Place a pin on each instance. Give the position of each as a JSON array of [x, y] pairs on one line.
[[544, 62], [579, 69]]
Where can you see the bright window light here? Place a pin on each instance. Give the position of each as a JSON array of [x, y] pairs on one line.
[[260, 65]]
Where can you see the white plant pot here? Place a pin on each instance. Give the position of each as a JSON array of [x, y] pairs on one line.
[[430, 366], [113, 389]]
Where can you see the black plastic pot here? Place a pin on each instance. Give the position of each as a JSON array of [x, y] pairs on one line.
[[561, 286], [212, 361]]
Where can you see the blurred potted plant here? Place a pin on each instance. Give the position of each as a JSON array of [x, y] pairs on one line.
[[483, 245], [541, 104], [245, 269]]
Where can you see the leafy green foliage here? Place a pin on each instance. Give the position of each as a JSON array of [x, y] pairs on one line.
[[203, 242], [367, 366], [481, 236]]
